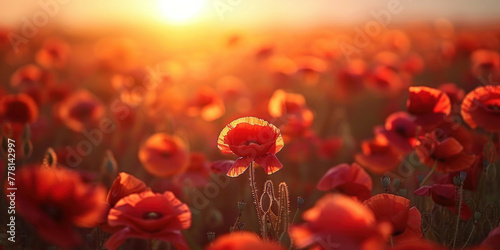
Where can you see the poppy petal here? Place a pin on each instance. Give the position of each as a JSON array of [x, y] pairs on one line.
[[270, 163], [239, 166]]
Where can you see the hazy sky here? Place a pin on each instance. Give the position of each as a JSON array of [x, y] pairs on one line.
[[257, 12]]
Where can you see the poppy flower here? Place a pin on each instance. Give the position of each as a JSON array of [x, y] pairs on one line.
[[351, 78], [481, 108], [53, 54], [493, 239], [430, 106], [446, 154], [473, 173], [378, 156], [445, 195], [252, 139], [197, 172], [396, 210], [164, 155], [207, 104], [386, 80], [281, 65], [222, 166], [18, 109], [28, 77], [352, 226], [484, 60], [57, 200], [124, 185], [310, 68], [148, 215], [330, 147], [292, 108], [453, 92], [242, 240], [350, 180], [81, 110], [399, 131]]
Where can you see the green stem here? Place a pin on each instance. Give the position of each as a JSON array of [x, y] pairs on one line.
[[470, 236], [459, 212], [429, 174], [392, 242], [295, 215], [253, 188]]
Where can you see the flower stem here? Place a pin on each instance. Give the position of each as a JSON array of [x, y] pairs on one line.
[[459, 212], [429, 174], [470, 236], [253, 188]]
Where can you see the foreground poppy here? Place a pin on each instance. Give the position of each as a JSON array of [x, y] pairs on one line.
[[149, 216], [481, 108], [429, 105], [399, 131], [350, 180], [164, 155], [81, 110], [445, 195], [242, 240], [124, 185], [252, 139], [396, 210], [56, 201], [18, 109], [446, 155], [353, 226]]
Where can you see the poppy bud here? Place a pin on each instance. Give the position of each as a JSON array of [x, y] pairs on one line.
[[50, 159], [211, 236], [109, 166], [463, 175], [241, 205], [477, 215], [27, 148], [386, 181], [456, 180], [300, 201]]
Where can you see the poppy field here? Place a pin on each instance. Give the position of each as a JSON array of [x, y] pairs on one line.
[[291, 139]]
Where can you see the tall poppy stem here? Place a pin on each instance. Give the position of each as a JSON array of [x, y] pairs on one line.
[[429, 174], [253, 188], [459, 212]]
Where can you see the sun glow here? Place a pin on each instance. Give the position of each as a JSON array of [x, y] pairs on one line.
[[179, 11]]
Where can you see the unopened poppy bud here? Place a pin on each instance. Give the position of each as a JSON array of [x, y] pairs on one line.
[[386, 181], [109, 166], [463, 175], [456, 180], [477, 215], [50, 159], [241, 205], [211, 236], [300, 201], [396, 183], [27, 148]]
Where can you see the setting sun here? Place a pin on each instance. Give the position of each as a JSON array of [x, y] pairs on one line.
[[180, 11]]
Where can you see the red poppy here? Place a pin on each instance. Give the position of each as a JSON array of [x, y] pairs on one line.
[[207, 104], [330, 147], [292, 108], [445, 195], [164, 155], [82, 110], [351, 78], [222, 166], [473, 174], [487, 60], [453, 92], [56, 200], [149, 216], [28, 77], [350, 180], [386, 80], [197, 172], [18, 109], [310, 68], [252, 139], [124, 185], [429, 105], [352, 226], [493, 239], [378, 156], [242, 240], [281, 65], [53, 54], [399, 131], [447, 154], [481, 108], [396, 210]]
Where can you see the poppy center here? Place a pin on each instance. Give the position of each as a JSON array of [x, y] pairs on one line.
[[165, 154], [249, 142], [151, 215], [494, 107], [52, 211], [400, 129]]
